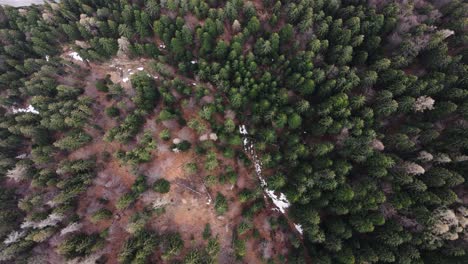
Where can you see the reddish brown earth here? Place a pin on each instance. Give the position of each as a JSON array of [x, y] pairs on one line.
[[188, 207]]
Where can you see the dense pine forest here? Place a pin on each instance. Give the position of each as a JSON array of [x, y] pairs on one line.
[[206, 131]]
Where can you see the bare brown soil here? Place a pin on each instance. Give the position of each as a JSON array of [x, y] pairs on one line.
[[190, 204]]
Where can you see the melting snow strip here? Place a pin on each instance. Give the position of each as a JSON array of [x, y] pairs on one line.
[[280, 202]]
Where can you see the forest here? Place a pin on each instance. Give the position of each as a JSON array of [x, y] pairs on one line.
[[238, 131]]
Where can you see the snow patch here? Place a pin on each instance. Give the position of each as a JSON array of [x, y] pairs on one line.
[[176, 150], [280, 201], [140, 68], [299, 228], [75, 56], [125, 79], [22, 156], [29, 109], [194, 62], [47, 57]]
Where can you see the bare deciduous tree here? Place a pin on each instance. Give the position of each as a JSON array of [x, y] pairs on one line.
[[73, 227], [423, 103], [425, 156], [13, 237], [123, 47], [18, 173], [413, 168]]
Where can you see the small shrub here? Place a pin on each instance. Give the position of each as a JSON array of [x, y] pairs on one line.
[[221, 205], [140, 185], [191, 168], [102, 86], [211, 180], [184, 145], [244, 227], [112, 111], [207, 231], [173, 244], [166, 115], [239, 248], [125, 201], [162, 186], [165, 135], [101, 214]]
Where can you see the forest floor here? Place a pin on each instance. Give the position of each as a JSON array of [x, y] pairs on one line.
[[189, 205]]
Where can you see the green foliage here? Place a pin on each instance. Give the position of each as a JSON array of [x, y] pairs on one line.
[[161, 186], [240, 248], [112, 111], [127, 129], [73, 140], [184, 145], [165, 134], [124, 201], [79, 245], [138, 248], [221, 204], [207, 231], [146, 92], [172, 245], [353, 110], [101, 214], [141, 153], [102, 84]]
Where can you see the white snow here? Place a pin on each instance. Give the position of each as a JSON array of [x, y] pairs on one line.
[[29, 109], [193, 62], [47, 57], [194, 84], [281, 202], [125, 79], [176, 150], [22, 156], [75, 56], [162, 46], [140, 68], [243, 130], [298, 228]]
